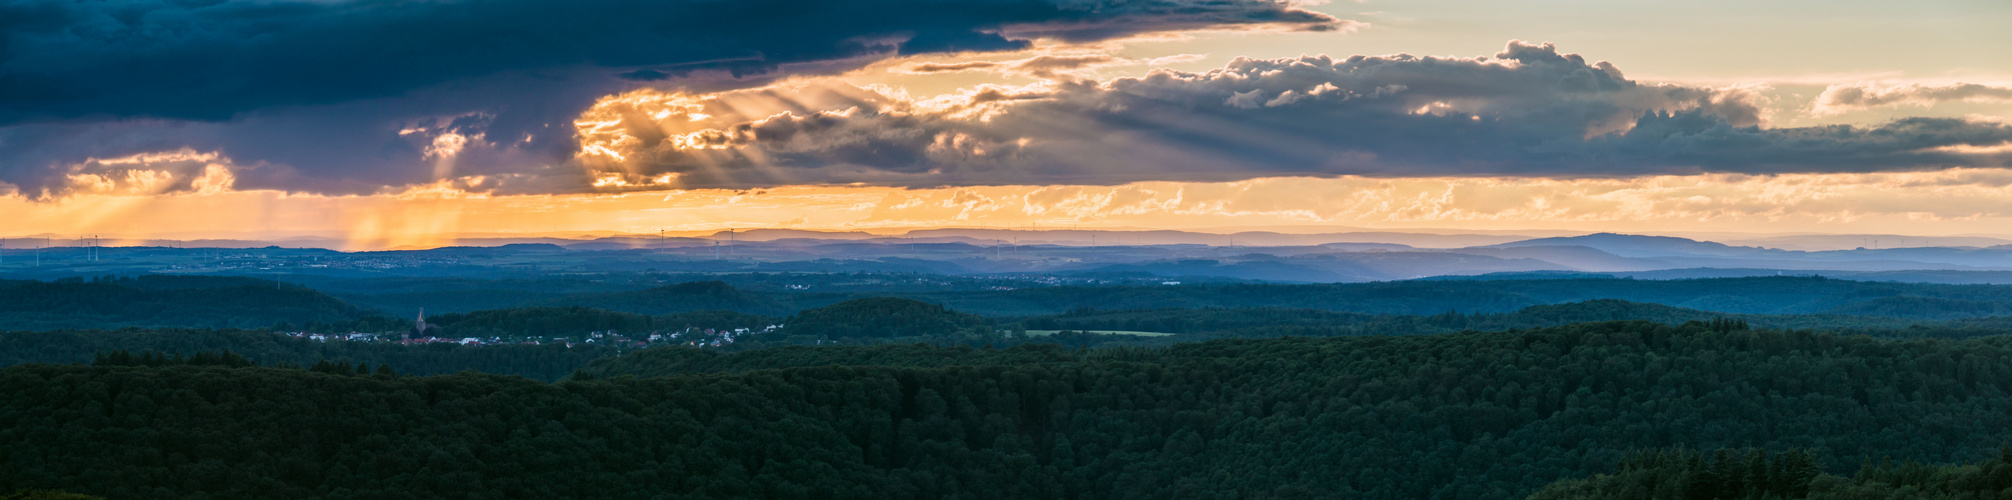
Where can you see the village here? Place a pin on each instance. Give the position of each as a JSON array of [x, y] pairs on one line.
[[690, 336]]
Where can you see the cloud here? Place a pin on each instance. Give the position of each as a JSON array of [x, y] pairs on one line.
[[212, 60], [1528, 111], [930, 67], [183, 171], [1839, 99], [311, 94], [1041, 66]]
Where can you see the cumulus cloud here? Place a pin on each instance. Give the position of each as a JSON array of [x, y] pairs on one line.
[[315, 92], [1838, 99], [1528, 111], [183, 171]]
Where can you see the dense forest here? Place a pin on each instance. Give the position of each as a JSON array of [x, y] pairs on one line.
[[886, 318], [542, 362], [182, 301], [682, 297], [1217, 320], [690, 361], [1465, 415], [45, 495], [1754, 473]]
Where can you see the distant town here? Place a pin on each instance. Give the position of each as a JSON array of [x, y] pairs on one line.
[[692, 336]]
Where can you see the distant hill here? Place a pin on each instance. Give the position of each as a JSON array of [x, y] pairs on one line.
[[1820, 242], [1578, 258], [1341, 267], [1915, 307], [682, 297], [403, 296], [1262, 270], [1757, 295], [1262, 322], [882, 318], [1631, 245], [177, 301]]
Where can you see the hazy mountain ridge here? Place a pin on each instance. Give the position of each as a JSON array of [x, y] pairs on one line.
[[1250, 256]]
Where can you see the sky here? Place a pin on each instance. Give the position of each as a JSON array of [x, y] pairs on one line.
[[413, 123]]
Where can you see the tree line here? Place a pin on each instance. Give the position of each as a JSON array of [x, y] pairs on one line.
[[1464, 415], [1732, 474]]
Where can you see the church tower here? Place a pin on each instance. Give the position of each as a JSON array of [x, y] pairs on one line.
[[418, 326]]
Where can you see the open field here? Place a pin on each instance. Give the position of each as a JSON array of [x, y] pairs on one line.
[[1042, 333]]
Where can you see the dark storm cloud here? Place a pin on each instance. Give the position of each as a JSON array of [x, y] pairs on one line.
[[313, 94], [211, 60], [1529, 111]]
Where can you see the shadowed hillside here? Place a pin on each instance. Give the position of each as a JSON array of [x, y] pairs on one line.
[[682, 297], [169, 301], [882, 318]]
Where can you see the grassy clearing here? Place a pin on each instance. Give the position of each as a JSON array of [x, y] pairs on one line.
[[1038, 333]]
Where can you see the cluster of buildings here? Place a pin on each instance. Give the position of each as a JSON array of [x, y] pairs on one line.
[[340, 337], [374, 337], [423, 334], [708, 337]]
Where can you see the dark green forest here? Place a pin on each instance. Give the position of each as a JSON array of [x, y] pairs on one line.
[[175, 301], [542, 362], [684, 297], [1465, 415], [45, 495], [1555, 389], [886, 318], [1795, 474]]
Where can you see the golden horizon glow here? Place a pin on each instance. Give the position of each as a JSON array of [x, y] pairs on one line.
[[1949, 202]]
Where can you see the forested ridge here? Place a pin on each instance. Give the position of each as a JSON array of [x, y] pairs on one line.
[[874, 321], [683, 297], [1762, 295], [225, 302], [1755, 473], [542, 362], [1465, 415], [886, 318], [1328, 323], [240, 302], [1781, 295], [168, 301]]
